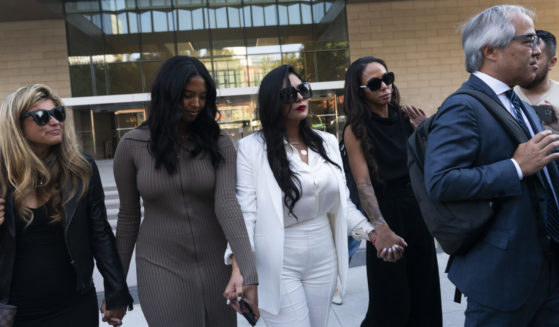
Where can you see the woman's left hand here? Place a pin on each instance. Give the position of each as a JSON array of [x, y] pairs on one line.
[[234, 289], [112, 317], [415, 114]]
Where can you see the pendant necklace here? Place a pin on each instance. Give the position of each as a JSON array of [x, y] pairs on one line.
[[303, 151]]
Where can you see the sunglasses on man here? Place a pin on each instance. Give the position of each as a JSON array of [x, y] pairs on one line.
[[375, 83], [42, 116], [288, 95]]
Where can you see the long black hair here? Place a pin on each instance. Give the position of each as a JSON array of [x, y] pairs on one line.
[[273, 131], [358, 113], [166, 110]]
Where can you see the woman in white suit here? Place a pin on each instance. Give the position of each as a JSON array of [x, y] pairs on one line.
[[292, 191]]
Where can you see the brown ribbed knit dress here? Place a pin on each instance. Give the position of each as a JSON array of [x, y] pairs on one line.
[[188, 218]]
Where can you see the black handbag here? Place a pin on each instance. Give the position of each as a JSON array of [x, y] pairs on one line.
[[7, 315]]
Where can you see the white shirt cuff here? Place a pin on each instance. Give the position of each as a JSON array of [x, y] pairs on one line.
[[518, 170]]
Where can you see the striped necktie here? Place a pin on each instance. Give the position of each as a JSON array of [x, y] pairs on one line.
[[516, 110], [552, 216]]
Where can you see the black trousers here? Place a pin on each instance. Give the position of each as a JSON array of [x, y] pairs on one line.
[[405, 293]]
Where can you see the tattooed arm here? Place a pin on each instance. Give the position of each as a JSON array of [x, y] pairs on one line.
[[390, 246]]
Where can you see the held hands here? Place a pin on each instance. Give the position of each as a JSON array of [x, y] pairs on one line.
[[390, 247], [533, 155], [234, 291], [112, 317], [415, 114], [2, 210]]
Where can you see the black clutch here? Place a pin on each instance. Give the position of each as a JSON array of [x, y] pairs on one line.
[[7, 315]]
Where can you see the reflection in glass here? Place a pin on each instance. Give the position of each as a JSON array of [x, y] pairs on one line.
[[239, 40], [230, 72], [260, 65], [124, 78], [150, 70], [237, 116], [304, 63], [332, 64], [80, 6]]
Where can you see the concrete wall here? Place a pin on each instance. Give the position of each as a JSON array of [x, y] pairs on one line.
[[420, 41], [34, 52]]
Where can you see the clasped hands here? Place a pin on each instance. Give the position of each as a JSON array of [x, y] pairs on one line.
[[112, 317], [390, 247], [235, 290]]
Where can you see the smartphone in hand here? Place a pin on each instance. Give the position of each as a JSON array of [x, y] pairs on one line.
[[247, 312], [545, 113]]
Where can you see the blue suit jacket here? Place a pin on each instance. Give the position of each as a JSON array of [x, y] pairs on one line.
[[468, 157]]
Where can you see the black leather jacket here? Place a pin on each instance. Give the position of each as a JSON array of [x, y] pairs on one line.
[[88, 235]]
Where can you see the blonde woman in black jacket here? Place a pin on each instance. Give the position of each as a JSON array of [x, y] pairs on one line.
[[54, 222]]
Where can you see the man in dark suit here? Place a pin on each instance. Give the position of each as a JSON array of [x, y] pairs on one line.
[[511, 277]]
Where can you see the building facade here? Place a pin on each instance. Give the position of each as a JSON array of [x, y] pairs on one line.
[[102, 55]]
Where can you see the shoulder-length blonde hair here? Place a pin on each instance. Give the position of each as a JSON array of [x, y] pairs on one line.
[[27, 174]]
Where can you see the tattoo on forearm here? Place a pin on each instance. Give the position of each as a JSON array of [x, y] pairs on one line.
[[369, 203]]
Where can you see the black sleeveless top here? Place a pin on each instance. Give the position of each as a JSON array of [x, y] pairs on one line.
[[44, 281], [390, 136]]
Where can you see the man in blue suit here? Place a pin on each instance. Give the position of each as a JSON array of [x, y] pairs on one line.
[[511, 277]]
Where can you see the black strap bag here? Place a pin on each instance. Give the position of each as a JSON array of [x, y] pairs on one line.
[[458, 225]]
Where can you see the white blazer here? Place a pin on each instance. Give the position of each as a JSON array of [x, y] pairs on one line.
[[261, 201]]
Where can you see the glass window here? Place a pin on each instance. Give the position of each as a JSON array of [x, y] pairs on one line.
[[133, 22], [227, 40], [80, 77], [161, 23], [149, 4], [194, 43], [114, 5], [304, 64], [318, 11], [235, 17], [230, 72], [185, 19], [145, 22], [260, 65], [271, 15], [247, 13], [161, 43], [198, 19], [257, 15], [100, 74], [124, 78], [294, 14], [122, 19], [306, 13], [81, 6], [331, 31], [150, 70], [237, 116], [331, 65]]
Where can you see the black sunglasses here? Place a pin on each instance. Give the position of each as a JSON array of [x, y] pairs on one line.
[[375, 83], [288, 95], [42, 116]]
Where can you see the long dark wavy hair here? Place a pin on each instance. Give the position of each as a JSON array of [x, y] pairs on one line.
[[166, 110], [358, 113], [273, 131]]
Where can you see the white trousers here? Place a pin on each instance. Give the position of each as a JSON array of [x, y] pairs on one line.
[[308, 276]]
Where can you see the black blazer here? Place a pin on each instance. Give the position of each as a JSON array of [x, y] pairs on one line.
[[88, 235]]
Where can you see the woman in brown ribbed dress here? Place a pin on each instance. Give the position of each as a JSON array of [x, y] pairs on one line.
[[183, 168]]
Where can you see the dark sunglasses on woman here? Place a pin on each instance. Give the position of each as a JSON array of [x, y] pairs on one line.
[[288, 95], [375, 83], [42, 116]]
